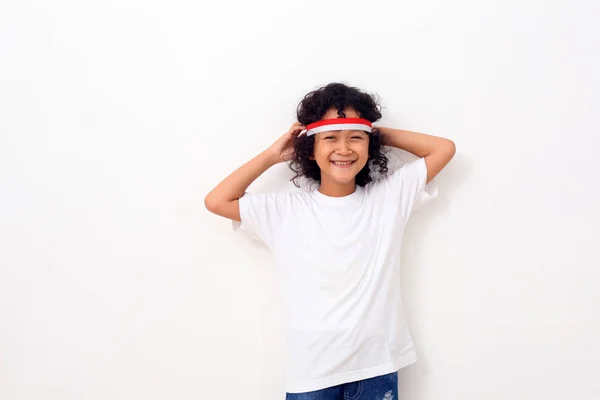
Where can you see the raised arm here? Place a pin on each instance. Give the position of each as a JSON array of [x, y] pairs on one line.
[[223, 200], [438, 151]]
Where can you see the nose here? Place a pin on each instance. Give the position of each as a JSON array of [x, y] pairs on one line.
[[343, 148]]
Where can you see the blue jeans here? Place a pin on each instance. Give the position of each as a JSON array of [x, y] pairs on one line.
[[383, 387]]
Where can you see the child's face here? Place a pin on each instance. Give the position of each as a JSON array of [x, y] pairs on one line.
[[333, 147]]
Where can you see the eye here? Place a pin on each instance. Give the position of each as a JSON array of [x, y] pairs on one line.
[[329, 137], [357, 137]]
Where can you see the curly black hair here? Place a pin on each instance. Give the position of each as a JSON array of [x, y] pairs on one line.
[[313, 107]]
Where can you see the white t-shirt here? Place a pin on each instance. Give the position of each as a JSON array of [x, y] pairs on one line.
[[338, 261]]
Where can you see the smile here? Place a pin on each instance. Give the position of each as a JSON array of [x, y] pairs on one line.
[[343, 164]]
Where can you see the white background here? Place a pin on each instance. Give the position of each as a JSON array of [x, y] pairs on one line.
[[117, 118]]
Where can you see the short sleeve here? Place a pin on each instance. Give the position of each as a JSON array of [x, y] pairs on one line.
[[261, 216], [414, 193]]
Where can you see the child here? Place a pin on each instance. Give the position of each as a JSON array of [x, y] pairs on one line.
[[337, 247]]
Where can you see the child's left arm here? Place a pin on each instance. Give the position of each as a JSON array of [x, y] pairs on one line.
[[437, 151]]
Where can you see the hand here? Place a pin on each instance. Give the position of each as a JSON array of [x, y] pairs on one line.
[[283, 149], [384, 137]]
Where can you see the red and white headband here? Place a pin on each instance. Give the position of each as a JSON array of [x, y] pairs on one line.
[[335, 124]]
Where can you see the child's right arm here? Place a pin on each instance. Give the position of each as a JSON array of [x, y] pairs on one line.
[[223, 200]]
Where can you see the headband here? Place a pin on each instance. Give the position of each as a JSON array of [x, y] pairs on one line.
[[335, 124]]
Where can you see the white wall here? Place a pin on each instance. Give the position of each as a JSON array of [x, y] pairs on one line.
[[116, 119]]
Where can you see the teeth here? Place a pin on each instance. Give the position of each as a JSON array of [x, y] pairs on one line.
[[342, 162]]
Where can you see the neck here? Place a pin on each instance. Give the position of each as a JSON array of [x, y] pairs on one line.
[[335, 189]]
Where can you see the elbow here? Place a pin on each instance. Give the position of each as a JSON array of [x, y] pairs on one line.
[[210, 203], [450, 148]]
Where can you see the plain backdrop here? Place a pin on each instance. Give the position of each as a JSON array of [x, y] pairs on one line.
[[118, 117]]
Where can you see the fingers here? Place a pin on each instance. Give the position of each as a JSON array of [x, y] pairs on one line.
[[297, 127], [294, 131]]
